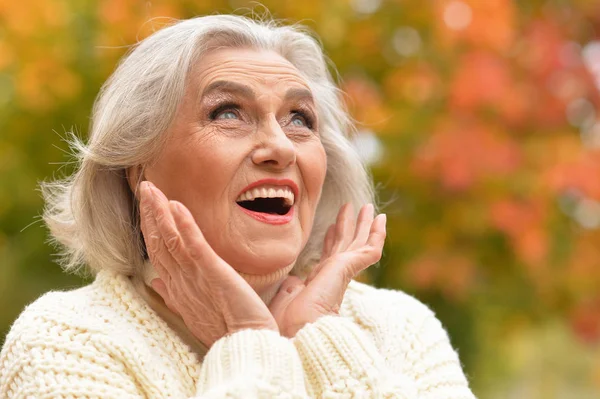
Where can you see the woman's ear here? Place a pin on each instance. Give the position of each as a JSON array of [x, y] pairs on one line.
[[134, 175]]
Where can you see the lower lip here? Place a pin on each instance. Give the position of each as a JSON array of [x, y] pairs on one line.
[[270, 218]]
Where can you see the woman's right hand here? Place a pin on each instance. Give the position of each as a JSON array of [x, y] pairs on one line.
[[210, 296]]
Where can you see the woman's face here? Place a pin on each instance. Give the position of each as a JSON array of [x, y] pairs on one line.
[[244, 155]]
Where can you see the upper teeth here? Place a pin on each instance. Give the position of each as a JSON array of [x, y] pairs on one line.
[[268, 192]]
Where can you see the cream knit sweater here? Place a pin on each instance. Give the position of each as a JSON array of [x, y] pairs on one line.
[[105, 341]]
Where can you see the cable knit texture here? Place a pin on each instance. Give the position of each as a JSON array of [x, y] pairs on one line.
[[104, 341]]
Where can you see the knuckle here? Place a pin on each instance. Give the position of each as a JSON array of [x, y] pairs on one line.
[[195, 253], [173, 243], [159, 215], [152, 242], [370, 249], [186, 229], [145, 210]]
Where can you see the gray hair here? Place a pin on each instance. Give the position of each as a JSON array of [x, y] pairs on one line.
[[92, 215]]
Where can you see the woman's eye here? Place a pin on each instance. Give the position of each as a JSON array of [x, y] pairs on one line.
[[227, 115], [301, 120], [297, 121], [225, 111]]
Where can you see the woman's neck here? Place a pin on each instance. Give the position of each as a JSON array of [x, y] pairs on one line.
[[267, 285]]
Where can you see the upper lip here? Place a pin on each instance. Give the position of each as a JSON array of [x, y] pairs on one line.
[[271, 181]]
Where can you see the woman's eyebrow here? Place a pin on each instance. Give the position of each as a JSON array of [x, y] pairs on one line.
[[229, 87], [299, 94]]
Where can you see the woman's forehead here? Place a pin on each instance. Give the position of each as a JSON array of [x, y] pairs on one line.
[[253, 68]]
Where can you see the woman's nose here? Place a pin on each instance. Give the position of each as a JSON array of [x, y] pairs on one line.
[[276, 149]]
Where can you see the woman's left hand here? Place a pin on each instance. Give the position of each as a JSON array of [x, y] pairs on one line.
[[348, 249]]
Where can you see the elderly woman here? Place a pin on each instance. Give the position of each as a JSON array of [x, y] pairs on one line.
[[209, 203]]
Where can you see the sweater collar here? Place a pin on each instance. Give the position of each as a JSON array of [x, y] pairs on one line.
[[119, 290]]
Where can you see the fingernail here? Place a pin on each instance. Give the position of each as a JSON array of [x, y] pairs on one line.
[[151, 189]]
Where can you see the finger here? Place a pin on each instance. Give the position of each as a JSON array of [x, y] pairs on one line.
[[363, 226], [378, 232], [195, 248], [146, 212], [328, 285], [164, 220], [328, 243], [344, 227], [173, 242], [349, 264], [326, 253], [143, 208], [337, 238], [337, 272], [289, 289], [152, 237], [371, 253]]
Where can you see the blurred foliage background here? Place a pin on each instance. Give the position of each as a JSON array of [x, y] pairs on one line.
[[479, 119]]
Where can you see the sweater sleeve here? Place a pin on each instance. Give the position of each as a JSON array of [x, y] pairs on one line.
[[252, 364], [68, 363], [342, 360]]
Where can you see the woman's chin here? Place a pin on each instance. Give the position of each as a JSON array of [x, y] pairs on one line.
[[262, 255]]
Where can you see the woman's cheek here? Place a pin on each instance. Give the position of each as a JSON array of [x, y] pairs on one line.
[[319, 166], [314, 173]]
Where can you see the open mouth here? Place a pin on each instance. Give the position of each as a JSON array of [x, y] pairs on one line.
[[267, 199], [273, 206]]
